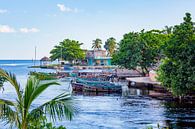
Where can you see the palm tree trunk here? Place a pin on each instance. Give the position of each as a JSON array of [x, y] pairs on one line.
[[24, 120], [24, 125]]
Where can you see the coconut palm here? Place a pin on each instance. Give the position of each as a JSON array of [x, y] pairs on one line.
[[168, 29], [110, 46], [22, 114], [97, 44]]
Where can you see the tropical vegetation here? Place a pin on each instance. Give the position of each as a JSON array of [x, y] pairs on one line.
[[97, 44], [69, 50], [23, 114], [170, 51], [177, 71], [2, 80], [140, 51], [110, 46]]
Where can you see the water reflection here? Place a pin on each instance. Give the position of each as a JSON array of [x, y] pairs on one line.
[[134, 109], [134, 91], [176, 115], [179, 115]]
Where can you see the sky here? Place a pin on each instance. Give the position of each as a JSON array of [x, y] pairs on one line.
[[25, 24]]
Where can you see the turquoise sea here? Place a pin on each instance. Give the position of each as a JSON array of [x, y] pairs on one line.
[[103, 111]]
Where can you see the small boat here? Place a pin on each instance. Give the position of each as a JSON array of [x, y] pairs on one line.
[[95, 86], [68, 67], [77, 86], [102, 89]]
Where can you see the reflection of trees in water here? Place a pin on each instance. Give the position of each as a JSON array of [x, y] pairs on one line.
[[179, 115]]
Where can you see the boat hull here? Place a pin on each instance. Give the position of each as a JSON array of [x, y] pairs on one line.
[[97, 88]]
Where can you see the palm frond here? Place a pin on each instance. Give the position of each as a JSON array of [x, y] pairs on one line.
[[2, 80], [7, 102], [7, 114], [33, 89], [11, 78], [60, 107]]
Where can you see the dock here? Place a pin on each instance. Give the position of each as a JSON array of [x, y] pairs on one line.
[[142, 80]]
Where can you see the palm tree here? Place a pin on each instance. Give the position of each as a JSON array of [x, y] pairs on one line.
[[110, 46], [168, 29], [97, 44], [22, 114]]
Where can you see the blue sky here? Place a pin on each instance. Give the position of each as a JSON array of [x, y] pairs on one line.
[[25, 24]]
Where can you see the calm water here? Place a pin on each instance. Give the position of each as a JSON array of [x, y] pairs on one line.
[[135, 111]]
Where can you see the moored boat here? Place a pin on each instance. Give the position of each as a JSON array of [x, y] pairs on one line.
[[95, 86], [77, 86]]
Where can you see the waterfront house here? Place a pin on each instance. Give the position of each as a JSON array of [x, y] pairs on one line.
[[97, 58]]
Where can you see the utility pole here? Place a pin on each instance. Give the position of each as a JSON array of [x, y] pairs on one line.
[[35, 55]]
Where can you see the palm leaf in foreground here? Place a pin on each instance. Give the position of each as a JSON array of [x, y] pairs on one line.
[[59, 107], [21, 113]]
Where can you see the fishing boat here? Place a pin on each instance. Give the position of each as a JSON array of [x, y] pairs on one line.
[[77, 86], [95, 86]]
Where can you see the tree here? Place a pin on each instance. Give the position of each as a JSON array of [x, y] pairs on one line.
[[110, 46], [68, 50], [140, 51], [22, 114], [97, 44], [177, 70], [168, 30]]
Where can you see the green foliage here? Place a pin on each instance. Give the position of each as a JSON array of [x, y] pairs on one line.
[[97, 44], [2, 80], [22, 114], [110, 45], [44, 76], [177, 71], [140, 51], [42, 123], [68, 49]]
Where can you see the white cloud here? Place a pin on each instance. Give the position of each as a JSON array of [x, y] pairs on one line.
[[2, 11], [63, 8], [6, 29], [28, 30]]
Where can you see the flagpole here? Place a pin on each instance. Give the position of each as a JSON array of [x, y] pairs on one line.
[[35, 55]]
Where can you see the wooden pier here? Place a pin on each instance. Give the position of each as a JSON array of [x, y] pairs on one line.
[[142, 80]]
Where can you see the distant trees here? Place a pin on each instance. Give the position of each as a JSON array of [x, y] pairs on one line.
[[177, 71], [110, 46], [97, 44], [171, 51], [67, 50], [139, 50]]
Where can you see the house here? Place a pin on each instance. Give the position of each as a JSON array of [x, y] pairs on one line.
[[97, 58]]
